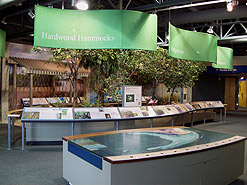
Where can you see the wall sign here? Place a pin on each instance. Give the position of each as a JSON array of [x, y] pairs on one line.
[[2, 43], [94, 29], [224, 58], [131, 96], [190, 45]]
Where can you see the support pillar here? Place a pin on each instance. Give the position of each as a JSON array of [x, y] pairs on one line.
[[31, 90], [14, 88], [5, 86], [54, 85]]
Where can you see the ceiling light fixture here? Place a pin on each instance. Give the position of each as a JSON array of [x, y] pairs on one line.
[[210, 29], [4, 21], [31, 14], [82, 5], [230, 5]]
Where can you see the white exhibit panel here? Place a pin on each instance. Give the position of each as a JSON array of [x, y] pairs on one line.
[[214, 104], [39, 101], [131, 96], [57, 100], [131, 112], [162, 155], [37, 113], [96, 113], [189, 106], [47, 124]]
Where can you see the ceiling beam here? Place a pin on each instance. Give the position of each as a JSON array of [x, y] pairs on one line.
[[164, 4]]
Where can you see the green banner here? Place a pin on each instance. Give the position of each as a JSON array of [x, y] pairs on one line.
[[224, 58], [94, 29], [2, 43], [190, 45]]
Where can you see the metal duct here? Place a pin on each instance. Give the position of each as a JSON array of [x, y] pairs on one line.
[[204, 16], [164, 4]]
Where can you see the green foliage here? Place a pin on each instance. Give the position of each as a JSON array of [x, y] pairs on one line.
[[111, 69]]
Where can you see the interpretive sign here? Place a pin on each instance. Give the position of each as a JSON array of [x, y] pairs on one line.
[[94, 29], [47, 113], [127, 112], [224, 58], [96, 113], [190, 45], [131, 96], [2, 43]]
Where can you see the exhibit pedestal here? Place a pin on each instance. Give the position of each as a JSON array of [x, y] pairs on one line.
[[215, 163]]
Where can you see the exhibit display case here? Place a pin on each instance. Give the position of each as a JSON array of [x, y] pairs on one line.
[[51, 124], [162, 155]]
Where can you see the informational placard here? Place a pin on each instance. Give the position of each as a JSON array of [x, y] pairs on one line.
[[184, 107], [39, 101], [55, 100], [96, 113], [190, 45], [214, 104], [195, 105], [190, 107], [92, 29], [161, 110], [172, 109], [47, 113], [2, 43], [203, 104], [131, 96], [128, 112]]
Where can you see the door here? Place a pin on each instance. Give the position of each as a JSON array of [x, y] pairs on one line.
[[230, 88]]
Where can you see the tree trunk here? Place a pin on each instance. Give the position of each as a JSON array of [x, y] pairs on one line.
[[75, 102], [173, 89], [153, 90]]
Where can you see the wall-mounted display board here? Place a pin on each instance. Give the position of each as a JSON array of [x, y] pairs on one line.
[[187, 155], [128, 112], [131, 96], [96, 113], [33, 113], [93, 30]]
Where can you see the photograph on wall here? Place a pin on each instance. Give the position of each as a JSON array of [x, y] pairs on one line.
[[82, 115]]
